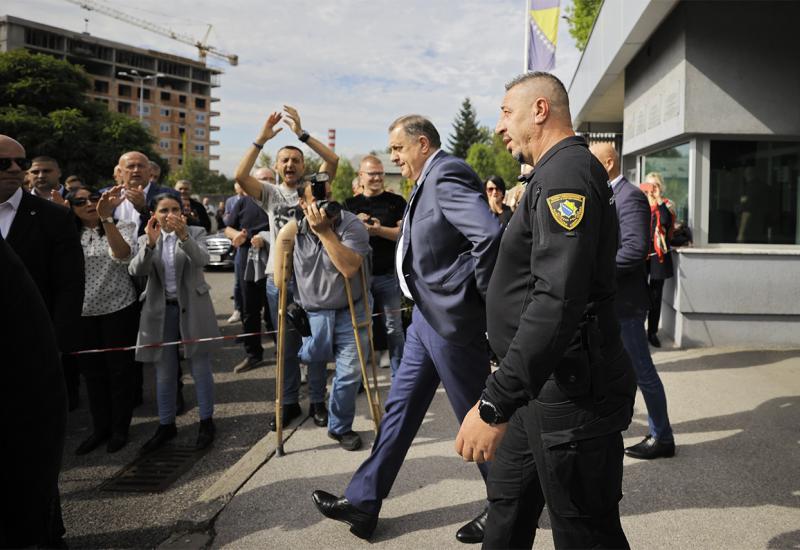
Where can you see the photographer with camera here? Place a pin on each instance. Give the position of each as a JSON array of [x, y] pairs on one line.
[[329, 245], [382, 214], [280, 202]]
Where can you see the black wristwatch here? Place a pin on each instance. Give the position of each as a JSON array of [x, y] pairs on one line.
[[304, 136], [490, 413]]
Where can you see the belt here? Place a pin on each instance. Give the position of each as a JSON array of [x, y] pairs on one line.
[[171, 301]]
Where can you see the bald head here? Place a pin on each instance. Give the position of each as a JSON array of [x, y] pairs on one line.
[[13, 177], [264, 175], [608, 157], [10, 148], [536, 85], [135, 169]]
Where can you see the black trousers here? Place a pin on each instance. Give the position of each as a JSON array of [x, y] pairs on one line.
[[110, 376], [581, 482], [656, 287], [254, 309]]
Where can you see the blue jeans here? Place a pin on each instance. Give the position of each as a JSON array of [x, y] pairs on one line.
[[167, 373], [386, 292], [317, 376], [634, 338]]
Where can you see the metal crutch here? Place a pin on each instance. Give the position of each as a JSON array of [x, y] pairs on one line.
[[282, 292], [373, 400]]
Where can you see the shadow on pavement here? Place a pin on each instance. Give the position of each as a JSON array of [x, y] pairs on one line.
[[732, 360]]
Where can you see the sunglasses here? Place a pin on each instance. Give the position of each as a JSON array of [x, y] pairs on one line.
[[83, 201], [23, 163]]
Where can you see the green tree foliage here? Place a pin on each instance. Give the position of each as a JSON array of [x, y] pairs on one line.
[[493, 160], [43, 106], [341, 186], [466, 131], [264, 160], [580, 16], [204, 181]]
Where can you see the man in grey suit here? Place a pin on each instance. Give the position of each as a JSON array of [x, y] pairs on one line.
[[444, 258], [632, 303]]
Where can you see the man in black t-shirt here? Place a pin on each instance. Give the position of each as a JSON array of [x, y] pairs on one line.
[[382, 212]]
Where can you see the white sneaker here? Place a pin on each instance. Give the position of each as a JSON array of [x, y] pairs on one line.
[[235, 317]]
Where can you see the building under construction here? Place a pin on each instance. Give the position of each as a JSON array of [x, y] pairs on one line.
[[176, 91]]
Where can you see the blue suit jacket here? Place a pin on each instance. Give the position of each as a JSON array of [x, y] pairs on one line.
[[450, 243], [633, 212]]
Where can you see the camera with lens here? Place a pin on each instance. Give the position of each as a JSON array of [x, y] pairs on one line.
[[320, 193]]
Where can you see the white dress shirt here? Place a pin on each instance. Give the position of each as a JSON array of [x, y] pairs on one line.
[[398, 260], [8, 211], [168, 257]]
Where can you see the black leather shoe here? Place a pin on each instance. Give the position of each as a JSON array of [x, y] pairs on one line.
[[319, 413], [650, 448], [472, 532], [290, 412], [654, 341], [91, 443], [361, 523], [164, 433], [205, 436], [117, 442], [349, 441]]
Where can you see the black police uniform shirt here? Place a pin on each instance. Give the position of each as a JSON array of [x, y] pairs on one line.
[[556, 259], [388, 208]]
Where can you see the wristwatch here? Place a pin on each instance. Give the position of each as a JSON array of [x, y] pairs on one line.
[[107, 220], [304, 136], [490, 413]]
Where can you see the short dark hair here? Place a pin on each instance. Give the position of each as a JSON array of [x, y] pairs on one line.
[[291, 148], [418, 125], [160, 197], [78, 222], [559, 98], [498, 182], [43, 158]]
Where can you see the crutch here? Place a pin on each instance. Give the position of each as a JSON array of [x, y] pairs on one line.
[[283, 250], [373, 400]]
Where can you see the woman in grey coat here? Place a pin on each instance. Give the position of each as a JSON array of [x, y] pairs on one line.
[[176, 306]]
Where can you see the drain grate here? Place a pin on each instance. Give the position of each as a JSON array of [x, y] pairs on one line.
[[155, 472]]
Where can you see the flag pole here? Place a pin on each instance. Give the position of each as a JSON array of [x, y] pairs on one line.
[[526, 54]]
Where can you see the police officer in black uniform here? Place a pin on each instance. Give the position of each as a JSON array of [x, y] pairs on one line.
[[550, 418]]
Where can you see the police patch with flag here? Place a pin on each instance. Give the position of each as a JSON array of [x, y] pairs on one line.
[[567, 209]]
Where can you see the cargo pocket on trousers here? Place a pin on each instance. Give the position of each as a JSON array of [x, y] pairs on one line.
[[582, 482]]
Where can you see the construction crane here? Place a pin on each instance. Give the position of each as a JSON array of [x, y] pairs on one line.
[[203, 48]]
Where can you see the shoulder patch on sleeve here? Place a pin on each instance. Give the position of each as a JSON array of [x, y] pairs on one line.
[[567, 209]]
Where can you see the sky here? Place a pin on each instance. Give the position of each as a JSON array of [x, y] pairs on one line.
[[352, 65]]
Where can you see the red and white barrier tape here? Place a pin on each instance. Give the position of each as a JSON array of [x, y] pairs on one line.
[[197, 340]]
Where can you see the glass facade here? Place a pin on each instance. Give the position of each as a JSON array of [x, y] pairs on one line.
[[673, 165], [754, 192]]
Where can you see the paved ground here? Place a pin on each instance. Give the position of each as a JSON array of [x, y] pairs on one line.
[[735, 482], [97, 519]]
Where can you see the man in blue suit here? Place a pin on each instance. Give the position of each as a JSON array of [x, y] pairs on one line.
[[633, 301], [444, 258]]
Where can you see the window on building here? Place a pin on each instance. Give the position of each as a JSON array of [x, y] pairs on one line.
[[673, 165], [146, 110], [165, 128], [182, 99], [145, 94], [753, 195], [124, 107], [182, 115], [124, 90], [43, 39], [200, 132], [165, 96], [101, 86], [164, 112], [199, 103], [200, 148], [164, 144], [200, 117]]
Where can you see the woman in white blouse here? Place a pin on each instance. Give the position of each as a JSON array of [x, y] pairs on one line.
[[176, 306], [109, 318]]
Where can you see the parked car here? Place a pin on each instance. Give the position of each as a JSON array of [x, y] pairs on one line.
[[220, 251]]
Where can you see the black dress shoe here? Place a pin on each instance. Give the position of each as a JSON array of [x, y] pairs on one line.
[[349, 441], [319, 413], [290, 412], [361, 523], [205, 436], [164, 433], [117, 442], [91, 443], [472, 532], [654, 341], [650, 448]]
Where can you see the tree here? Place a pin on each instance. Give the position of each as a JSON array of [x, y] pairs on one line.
[[580, 17], [45, 109], [264, 160], [493, 160], [204, 181], [466, 131], [342, 184]]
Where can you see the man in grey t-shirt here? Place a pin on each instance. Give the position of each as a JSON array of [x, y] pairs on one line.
[[280, 202]]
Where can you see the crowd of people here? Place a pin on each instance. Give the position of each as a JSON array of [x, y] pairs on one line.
[[564, 274]]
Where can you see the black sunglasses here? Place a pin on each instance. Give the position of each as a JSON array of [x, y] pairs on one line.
[[81, 201], [23, 163]]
